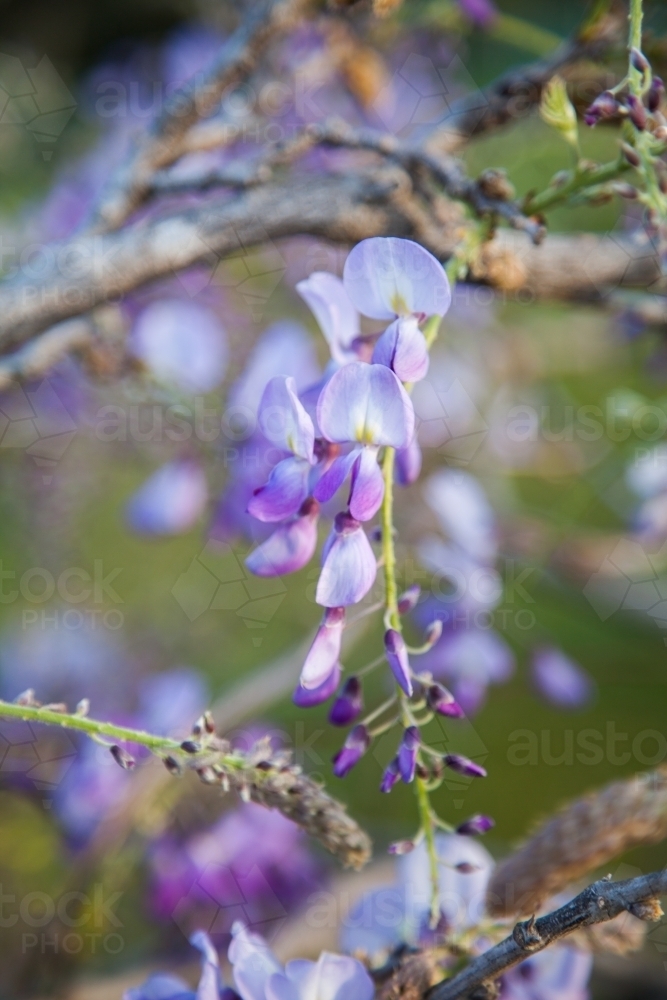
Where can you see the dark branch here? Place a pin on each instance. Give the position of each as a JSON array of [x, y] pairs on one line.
[[600, 902]]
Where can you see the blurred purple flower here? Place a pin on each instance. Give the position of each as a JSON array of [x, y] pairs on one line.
[[560, 680], [367, 406], [171, 501], [349, 566], [284, 347], [259, 976], [399, 913], [464, 512], [337, 317], [558, 973], [470, 660], [182, 343], [251, 854], [162, 986], [480, 12]]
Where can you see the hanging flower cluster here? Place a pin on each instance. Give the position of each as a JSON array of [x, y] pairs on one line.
[[355, 431]]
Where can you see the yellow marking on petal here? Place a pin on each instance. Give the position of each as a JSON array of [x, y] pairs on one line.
[[399, 305]]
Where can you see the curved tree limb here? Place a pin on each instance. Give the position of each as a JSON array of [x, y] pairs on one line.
[[599, 902]]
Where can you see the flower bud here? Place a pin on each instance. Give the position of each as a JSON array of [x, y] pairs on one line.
[[397, 658], [407, 754], [348, 704], [660, 133], [442, 701], [604, 106], [172, 765], [390, 776], [630, 155], [467, 868], [639, 60], [122, 757], [353, 749], [654, 94], [625, 190], [433, 632], [475, 826], [636, 112], [408, 600], [189, 746], [401, 847], [463, 765]]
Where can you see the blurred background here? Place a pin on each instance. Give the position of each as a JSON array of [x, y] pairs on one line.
[[122, 540]]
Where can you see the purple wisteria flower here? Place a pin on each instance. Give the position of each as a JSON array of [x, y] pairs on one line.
[[558, 973], [397, 658], [259, 976], [285, 423], [353, 749], [324, 653], [348, 705], [349, 566], [464, 512], [337, 317], [171, 501], [560, 680], [399, 913], [162, 986], [407, 754], [290, 547], [395, 279], [480, 12], [366, 406], [182, 343], [463, 765], [309, 697]]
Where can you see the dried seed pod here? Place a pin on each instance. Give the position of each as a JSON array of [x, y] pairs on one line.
[[582, 837]]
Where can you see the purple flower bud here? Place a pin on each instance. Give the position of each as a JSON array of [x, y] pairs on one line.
[[639, 60], [348, 704], [630, 155], [408, 600], [122, 757], [463, 765], [401, 847], [475, 826], [407, 753], [397, 658], [442, 701], [353, 749], [604, 106], [324, 653], [636, 112], [308, 697], [654, 95], [467, 868], [390, 776], [433, 632]]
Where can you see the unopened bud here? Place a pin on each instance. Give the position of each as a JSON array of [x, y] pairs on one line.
[[639, 60], [433, 632], [408, 600], [625, 190], [636, 112], [189, 746], [207, 775], [654, 94], [27, 698], [630, 154], [122, 757], [604, 106], [172, 765], [401, 847], [83, 707]]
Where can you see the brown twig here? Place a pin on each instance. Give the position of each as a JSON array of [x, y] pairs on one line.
[[598, 903]]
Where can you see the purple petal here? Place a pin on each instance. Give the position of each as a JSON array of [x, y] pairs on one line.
[[397, 657], [285, 347], [464, 512], [367, 489], [160, 986], [324, 654], [253, 963], [284, 493], [308, 697], [407, 754], [559, 973], [365, 404], [408, 463], [332, 977], [348, 705], [332, 480], [289, 548], [387, 277], [349, 568], [560, 680], [182, 343], [475, 826], [402, 348], [210, 981], [353, 749], [337, 317], [390, 776], [480, 12], [463, 765], [409, 599], [170, 501], [283, 420]]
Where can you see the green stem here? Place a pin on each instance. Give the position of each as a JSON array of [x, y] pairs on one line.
[[388, 549], [577, 180], [428, 826], [92, 727], [635, 18]]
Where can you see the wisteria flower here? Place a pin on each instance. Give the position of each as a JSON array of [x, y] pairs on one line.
[[285, 423], [290, 546], [259, 976], [349, 566], [171, 501], [366, 406], [324, 653], [162, 986], [560, 680], [337, 317], [390, 278]]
